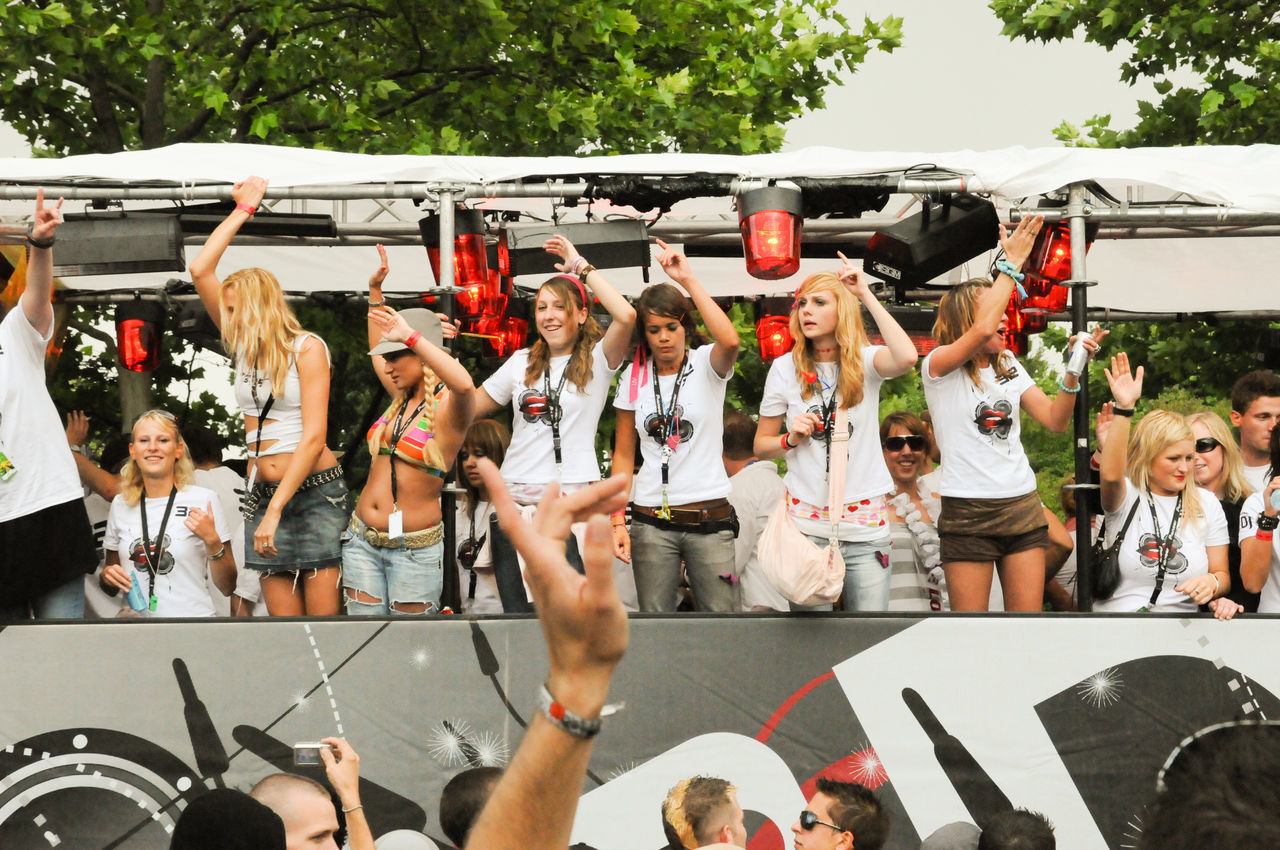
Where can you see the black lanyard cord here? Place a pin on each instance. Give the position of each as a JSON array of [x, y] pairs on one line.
[[398, 431], [668, 418], [828, 409], [152, 560], [554, 411], [1163, 544]]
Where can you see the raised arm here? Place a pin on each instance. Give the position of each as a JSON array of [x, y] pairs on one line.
[[459, 405], [204, 268], [617, 339], [992, 304], [36, 298], [899, 352], [1126, 389], [585, 627], [724, 351], [1055, 413], [313, 376]]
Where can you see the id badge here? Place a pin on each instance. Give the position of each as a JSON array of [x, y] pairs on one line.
[[7, 469], [395, 525]]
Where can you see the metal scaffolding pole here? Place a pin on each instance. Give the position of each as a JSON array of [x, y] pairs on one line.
[[1077, 214]]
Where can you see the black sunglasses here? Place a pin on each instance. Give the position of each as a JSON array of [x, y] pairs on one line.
[[1204, 445], [808, 820], [895, 444]]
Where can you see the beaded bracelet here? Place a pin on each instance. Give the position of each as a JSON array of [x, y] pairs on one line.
[[1066, 389]]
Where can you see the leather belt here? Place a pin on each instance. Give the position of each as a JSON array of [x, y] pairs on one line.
[[382, 540], [689, 516]]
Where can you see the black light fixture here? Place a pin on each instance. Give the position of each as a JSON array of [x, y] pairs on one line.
[[118, 244], [920, 248], [608, 244]]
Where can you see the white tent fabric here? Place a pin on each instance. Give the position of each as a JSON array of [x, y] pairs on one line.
[[1203, 274]]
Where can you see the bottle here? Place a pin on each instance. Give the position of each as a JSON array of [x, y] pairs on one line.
[[137, 599], [1079, 358]]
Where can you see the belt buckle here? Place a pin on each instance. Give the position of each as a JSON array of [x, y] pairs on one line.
[[680, 516]]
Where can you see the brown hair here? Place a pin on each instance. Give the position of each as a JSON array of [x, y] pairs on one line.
[[663, 299], [956, 315], [691, 807], [851, 337], [491, 437], [578, 371]]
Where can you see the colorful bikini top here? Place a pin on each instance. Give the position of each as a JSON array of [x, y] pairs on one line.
[[412, 445]]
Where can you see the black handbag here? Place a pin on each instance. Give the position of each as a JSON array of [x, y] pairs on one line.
[[1106, 559]]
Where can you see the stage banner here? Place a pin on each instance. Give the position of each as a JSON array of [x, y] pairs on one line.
[[108, 730]]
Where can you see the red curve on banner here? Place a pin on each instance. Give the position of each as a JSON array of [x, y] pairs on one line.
[[772, 723]]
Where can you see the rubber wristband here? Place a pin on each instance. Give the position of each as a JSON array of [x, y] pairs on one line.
[[243, 207], [412, 339], [566, 720], [578, 263], [1126, 412], [1264, 536], [786, 442], [1066, 389], [622, 515]]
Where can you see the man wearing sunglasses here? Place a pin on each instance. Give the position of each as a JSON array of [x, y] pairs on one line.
[[841, 816]]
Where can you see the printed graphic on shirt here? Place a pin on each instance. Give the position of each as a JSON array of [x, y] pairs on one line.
[[163, 567], [828, 421], [1149, 554], [534, 407], [653, 426], [994, 420]]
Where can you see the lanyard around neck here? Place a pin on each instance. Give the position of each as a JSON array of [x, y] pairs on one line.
[[398, 431], [151, 558], [668, 424], [828, 409], [1163, 544], [554, 411]]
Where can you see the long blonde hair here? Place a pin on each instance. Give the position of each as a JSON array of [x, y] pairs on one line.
[[1156, 431], [430, 450], [1235, 486], [263, 331], [955, 316], [183, 472], [579, 370], [851, 337]]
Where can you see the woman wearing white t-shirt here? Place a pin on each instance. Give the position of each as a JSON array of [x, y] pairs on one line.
[[169, 531], [670, 400], [976, 390], [558, 387], [1174, 553], [476, 521], [1259, 550], [833, 365]]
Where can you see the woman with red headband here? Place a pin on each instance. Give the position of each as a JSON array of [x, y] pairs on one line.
[[558, 387], [671, 400], [834, 366]]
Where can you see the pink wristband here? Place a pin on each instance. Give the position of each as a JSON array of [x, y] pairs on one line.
[[412, 339], [243, 207]]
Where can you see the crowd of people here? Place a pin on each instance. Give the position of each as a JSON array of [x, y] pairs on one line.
[[926, 508]]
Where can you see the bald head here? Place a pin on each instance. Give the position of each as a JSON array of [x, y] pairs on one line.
[[305, 807]]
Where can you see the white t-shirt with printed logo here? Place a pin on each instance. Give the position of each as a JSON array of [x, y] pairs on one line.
[[30, 430], [180, 582], [979, 431], [695, 471], [1269, 601], [1188, 558], [866, 476], [530, 458]]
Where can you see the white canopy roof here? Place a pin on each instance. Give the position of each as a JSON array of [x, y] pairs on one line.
[[1204, 273]]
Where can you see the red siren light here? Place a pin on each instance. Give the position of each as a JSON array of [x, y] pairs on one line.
[[139, 327], [773, 327], [770, 220], [470, 259]]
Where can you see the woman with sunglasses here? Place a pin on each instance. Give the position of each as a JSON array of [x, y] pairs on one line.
[[557, 388], [670, 401], [992, 518], [1219, 468], [1173, 555], [393, 556], [1259, 552], [916, 583], [169, 532], [296, 501], [833, 365], [486, 438]]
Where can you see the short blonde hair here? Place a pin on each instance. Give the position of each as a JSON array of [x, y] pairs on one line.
[[184, 470]]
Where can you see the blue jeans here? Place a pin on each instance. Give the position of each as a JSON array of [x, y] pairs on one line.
[[866, 575], [392, 576], [64, 602], [656, 554]]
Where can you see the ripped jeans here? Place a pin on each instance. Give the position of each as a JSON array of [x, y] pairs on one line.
[[392, 576]]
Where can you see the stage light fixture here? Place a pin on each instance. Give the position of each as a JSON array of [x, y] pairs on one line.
[[1049, 263], [470, 261], [918, 249], [773, 327], [119, 244], [139, 326], [606, 244], [771, 220]]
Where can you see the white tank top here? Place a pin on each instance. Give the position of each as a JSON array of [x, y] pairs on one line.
[[252, 390]]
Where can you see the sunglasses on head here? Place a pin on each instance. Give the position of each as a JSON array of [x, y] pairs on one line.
[[1204, 445], [895, 444], [808, 820]]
